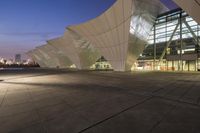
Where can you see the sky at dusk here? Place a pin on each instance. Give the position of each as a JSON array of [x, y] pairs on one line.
[[25, 24], [169, 4]]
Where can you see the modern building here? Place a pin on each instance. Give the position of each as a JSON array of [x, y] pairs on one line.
[[18, 58], [173, 43], [131, 34]]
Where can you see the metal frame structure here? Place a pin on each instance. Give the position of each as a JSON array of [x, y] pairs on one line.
[[176, 27]]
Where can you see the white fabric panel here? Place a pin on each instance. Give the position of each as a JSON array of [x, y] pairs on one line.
[[110, 16], [119, 34], [110, 32], [62, 51], [49, 59], [142, 20], [86, 52], [64, 61], [107, 32], [81, 33], [192, 7], [55, 57], [39, 57], [104, 23], [128, 9], [31, 54], [91, 30], [64, 45], [119, 12]]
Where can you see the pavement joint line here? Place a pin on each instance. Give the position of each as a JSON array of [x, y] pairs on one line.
[[37, 75], [19, 129], [115, 115], [157, 90], [37, 111], [16, 113], [179, 101], [164, 116], [184, 93], [163, 97], [133, 92], [3, 98], [162, 88]]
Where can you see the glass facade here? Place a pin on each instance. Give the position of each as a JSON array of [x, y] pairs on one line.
[[166, 24], [173, 43]]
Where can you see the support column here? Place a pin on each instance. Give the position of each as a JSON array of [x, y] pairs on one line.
[[154, 47], [181, 41], [197, 61], [167, 65], [169, 42], [191, 31]]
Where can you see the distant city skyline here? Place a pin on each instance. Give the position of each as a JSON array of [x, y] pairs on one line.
[[25, 24]]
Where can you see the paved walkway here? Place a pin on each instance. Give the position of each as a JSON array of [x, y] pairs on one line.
[[34, 101]]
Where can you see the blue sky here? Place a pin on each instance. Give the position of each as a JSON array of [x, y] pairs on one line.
[[169, 3], [25, 24]]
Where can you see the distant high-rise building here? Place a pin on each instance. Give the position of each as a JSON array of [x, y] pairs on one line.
[[18, 58]]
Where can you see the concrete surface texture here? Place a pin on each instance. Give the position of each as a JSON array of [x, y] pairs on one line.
[[60, 101]]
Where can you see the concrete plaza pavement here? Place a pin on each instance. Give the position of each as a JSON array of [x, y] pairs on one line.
[[62, 101]]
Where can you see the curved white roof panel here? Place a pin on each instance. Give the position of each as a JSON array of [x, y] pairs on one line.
[[49, 58], [64, 45], [119, 34], [63, 61], [39, 58], [79, 51], [192, 7], [110, 32], [87, 54], [63, 58]]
